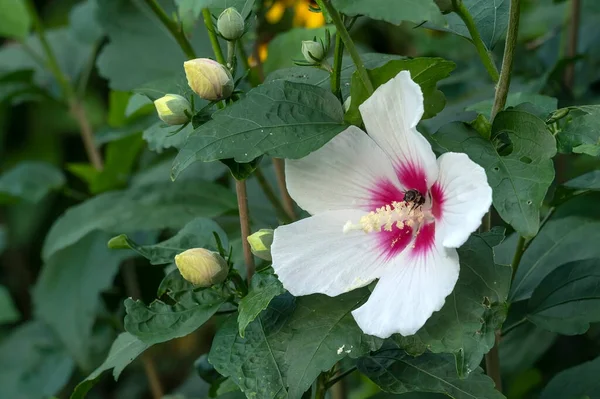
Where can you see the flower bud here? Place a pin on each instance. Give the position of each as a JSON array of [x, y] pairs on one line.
[[173, 109], [260, 243], [202, 267], [313, 51], [230, 24], [209, 79]]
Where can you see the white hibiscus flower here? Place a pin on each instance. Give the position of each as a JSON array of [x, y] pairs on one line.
[[383, 208]]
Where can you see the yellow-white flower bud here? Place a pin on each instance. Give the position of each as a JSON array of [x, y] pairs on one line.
[[202, 267], [313, 52], [209, 79], [230, 24], [260, 243], [173, 109]]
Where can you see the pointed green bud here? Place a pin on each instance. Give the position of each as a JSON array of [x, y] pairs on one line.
[[313, 52], [260, 243], [209, 79], [231, 24], [202, 267], [347, 103], [173, 109]]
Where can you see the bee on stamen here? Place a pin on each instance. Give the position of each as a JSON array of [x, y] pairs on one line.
[[414, 197]]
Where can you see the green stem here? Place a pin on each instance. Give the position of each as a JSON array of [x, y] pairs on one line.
[[518, 255], [347, 40], [68, 93], [212, 35], [337, 68], [230, 56], [492, 358], [270, 194], [51, 62], [340, 376], [173, 28], [484, 54], [507, 60], [238, 282]]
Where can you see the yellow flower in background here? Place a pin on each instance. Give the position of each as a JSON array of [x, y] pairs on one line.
[[303, 16], [262, 54]]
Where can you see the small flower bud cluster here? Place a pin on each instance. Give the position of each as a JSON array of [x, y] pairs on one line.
[[315, 52]]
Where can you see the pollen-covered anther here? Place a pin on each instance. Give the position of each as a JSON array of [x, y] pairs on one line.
[[384, 218]]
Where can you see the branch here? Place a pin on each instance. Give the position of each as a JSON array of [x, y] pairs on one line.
[[173, 28], [484, 54]]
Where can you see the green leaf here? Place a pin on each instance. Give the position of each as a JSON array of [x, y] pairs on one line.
[[466, 325], [426, 72], [84, 23], [122, 352], [160, 322], [174, 84], [523, 347], [33, 362], [293, 346], [71, 54], [264, 286], [76, 275], [582, 134], [323, 333], [119, 161], [264, 345], [196, 234], [280, 119], [568, 299], [393, 12], [319, 77], [396, 372], [160, 173], [30, 181], [587, 181], [543, 104], [14, 19], [173, 283], [3, 239], [571, 234], [518, 163], [491, 20], [140, 49], [8, 311], [127, 128], [286, 48], [577, 382], [147, 207], [161, 137], [18, 86]]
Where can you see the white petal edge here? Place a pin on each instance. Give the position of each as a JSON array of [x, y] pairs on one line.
[[314, 255], [391, 115], [409, 292], [339, 174], [467, 197]]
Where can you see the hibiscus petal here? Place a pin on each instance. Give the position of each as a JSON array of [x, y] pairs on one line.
[[461, 196], [413, 287], [391, 115], [314, 255], [349, 172]]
